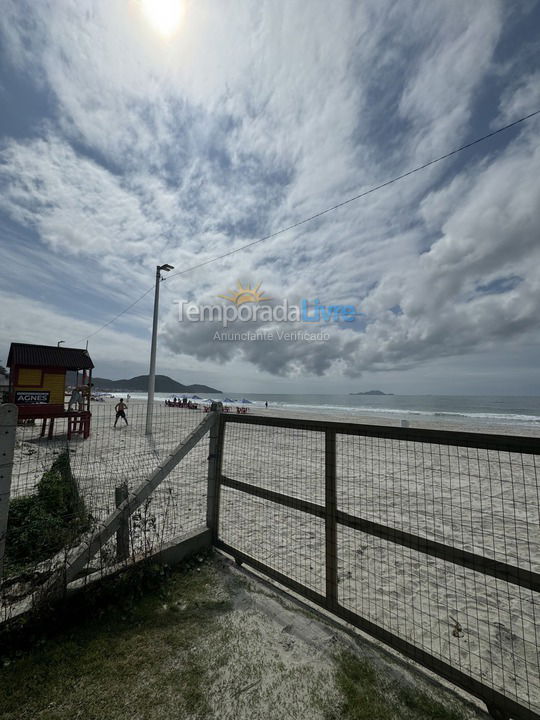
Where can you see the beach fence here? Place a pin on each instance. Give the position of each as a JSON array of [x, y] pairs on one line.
[[81, 509], [429, 541]]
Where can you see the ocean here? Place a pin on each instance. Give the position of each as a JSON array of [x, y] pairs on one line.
[[465, 409]]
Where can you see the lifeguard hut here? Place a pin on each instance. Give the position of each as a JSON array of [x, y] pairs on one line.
[[37, 385]]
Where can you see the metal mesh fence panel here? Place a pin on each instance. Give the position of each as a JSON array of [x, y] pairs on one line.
[[126, 456], [113, 456], [436, 545], [286, 540], [485, 627], [485, 501], [478, 500], [103, 469], [286, 460], [278, 460]]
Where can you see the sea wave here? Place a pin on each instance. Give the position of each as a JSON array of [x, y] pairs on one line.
[[336, 408], [500, 417]]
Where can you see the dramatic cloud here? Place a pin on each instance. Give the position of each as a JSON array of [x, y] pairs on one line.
[[121, 150]]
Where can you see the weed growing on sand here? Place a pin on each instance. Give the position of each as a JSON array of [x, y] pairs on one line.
[[367, 695]]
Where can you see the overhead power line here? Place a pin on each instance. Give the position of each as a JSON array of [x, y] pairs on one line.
[[319, 214], [110, 322], [352, 199]]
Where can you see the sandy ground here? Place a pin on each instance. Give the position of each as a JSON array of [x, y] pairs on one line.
[[214, 642], [286, 669], [481, 501]]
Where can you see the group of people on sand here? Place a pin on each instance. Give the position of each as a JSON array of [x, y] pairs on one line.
[[182, 402]]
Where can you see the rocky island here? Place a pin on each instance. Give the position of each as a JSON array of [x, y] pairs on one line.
[[371, 392]]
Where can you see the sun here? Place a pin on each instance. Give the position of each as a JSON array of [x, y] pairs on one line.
[[245, 295], [164, 16]]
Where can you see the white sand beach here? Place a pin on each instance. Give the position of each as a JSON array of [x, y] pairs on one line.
[[485, 502]]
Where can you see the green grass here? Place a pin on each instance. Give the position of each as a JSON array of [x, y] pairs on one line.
[[371, 695], [153, 644], [135, 657]]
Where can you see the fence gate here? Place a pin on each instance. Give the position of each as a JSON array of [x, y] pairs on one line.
[[427, 540]]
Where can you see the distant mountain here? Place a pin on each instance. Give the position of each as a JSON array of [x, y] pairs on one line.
[[371, 392], [164, 384]]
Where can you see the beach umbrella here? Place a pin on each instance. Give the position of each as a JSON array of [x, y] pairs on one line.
[[245, 401]]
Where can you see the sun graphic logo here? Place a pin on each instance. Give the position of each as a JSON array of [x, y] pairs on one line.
[[245, 294]]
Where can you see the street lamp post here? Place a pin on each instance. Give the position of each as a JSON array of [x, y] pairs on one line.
[[152, 372]]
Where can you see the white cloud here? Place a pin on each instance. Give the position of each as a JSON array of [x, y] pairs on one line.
[[459, 41], [255, 116], [488, 231], [24, 320], [520, 98]]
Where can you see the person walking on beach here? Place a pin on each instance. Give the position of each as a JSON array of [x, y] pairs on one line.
[[266, 404], [121, 408]]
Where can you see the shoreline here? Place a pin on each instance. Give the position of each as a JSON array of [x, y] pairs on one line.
[[414, 419], [419, 420]]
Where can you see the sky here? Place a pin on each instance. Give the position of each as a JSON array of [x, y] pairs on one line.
[[130, 139]]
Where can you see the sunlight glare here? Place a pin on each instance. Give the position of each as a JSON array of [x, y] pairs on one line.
[[163, 15]]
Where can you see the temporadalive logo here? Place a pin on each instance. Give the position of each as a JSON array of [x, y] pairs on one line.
[[250, 304]]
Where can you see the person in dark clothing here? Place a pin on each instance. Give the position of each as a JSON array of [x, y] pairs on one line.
[[121, 408]]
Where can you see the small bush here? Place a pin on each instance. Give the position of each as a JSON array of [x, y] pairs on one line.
[[41, 525], [58, 492]]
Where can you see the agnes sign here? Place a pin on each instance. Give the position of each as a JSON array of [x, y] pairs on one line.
[[32, 397]]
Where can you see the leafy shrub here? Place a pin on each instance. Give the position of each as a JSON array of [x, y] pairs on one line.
[[41, 525], [57, 491]]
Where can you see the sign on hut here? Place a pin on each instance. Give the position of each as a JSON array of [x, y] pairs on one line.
[[37, 385]]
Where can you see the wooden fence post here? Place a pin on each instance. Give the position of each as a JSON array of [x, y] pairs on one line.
[[8, 429], [215, 455], [331, 519], [121, 493]]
